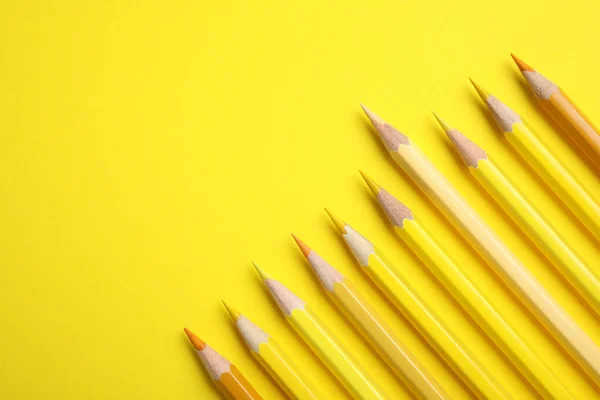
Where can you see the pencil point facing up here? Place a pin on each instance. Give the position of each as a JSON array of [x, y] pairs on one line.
[[503, 115], [328, 275], [393, 208], [391, 137], [197, 343], [339, 224], [233, 313], [374, 187], [467, 150], [542, 87], [521, 64], [285, 299], [303, 247], [263, 275]]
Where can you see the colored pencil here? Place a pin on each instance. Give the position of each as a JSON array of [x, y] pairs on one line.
[[362, 315], [273, 359], [320, 338], [228, 379], [542, 161], [525, 287], [563, 110], [468, 295], [527, 217], [394, 283]]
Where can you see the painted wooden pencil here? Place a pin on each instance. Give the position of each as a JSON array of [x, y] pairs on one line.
[[274, 359], [564, 111], [469, 296], [362, 315], [527, 217], [394, 283], [320, 338], [228, 379], [481, 237], [522, 138]]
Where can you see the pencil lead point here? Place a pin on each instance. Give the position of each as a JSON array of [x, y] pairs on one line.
[[521, 64], [484, 94], [442, 123], [375, 188], [339, 224], [197, 343], [233, 313], [261, 272], [304, 248], [390, 136]]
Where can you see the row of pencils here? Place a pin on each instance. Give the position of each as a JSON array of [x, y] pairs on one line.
[[395, 285]]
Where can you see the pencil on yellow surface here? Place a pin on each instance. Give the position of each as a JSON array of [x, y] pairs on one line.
[[394, 283], [228, 379], [319, 337], [468, 295], [522, 138], [273, 359], [481, 237], [360, 312], [564, 112], [527, 217]]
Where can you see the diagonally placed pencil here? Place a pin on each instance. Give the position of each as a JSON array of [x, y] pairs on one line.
[[564, 111], [273, 359], [468, 295], [527, 217], [360, 312], [542, 161], [394, 283], [323, 342], [224, 374], [481, 237]]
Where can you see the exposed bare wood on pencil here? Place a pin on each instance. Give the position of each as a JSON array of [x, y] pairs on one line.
[[328, 275], [503, 115], [542, 87], [359, 245], [286, 300], [394, 209], [253, 335], [215, 364], [468, 151], [391, 137]]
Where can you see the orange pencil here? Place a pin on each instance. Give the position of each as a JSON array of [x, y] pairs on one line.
[[226, 376], [565, 113]]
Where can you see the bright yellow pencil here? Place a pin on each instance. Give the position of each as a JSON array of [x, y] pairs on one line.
[[527, 217], [564, 111], [360, 312], [542, 161], [273, 359], [395, 285], [481, 237], [465, 291], [322, 341]]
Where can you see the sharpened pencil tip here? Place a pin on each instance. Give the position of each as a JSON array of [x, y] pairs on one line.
[[304, 248], [442, 123], [521, 64], [197, 343], [261, 272], [371, 115], [375, 188], [233, 313], [484, 94], [339, 224]]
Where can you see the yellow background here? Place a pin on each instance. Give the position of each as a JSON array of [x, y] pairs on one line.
[[151, 149]]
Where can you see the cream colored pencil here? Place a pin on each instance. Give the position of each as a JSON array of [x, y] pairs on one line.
[[527, 217], [525, 287]]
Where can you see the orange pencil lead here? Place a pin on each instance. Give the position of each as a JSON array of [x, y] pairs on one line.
[[304, 248], [197, 343], [522, 66]]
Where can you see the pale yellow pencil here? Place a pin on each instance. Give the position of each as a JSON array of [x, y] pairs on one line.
[[481, 237]]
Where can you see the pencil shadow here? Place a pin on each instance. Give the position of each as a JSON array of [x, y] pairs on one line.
[[205, 377]]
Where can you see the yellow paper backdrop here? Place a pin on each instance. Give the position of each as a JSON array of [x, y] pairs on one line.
[[150, 150]]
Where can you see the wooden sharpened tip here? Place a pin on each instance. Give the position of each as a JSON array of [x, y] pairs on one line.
[[233, 313], [303, 247], [390, 136], [339, 224], [484, 94], [520, 64], [197, 343], [375, 188]]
